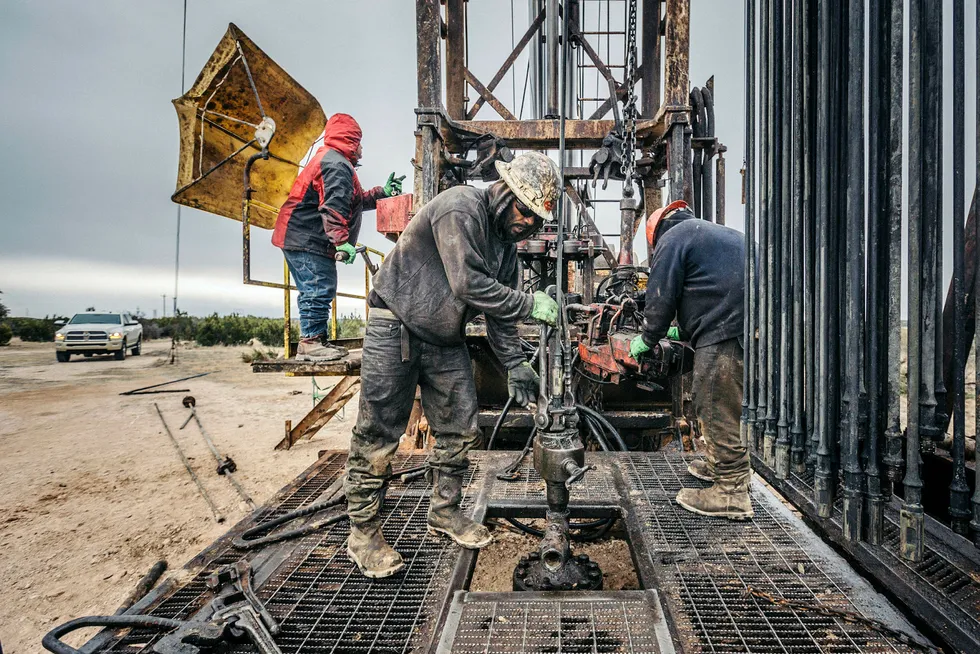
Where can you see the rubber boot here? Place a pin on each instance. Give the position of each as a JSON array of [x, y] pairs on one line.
[[724, 499], [701, 469], [367, 548], [445, 516], [314, 349]]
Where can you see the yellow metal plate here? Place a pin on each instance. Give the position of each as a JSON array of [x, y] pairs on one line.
[[218, 117]]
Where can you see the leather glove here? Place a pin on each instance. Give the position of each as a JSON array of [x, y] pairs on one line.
[[674, 333], [348, 250], [638, 347], [545, 309], [522, 383], [393, 186]]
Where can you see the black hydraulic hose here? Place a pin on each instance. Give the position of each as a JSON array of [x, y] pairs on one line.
[[605, 423], [509, 473], [52, 639], [500, 421], [251, 539], [596, 433]]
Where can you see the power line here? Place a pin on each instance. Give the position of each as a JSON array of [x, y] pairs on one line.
[[183, 69]]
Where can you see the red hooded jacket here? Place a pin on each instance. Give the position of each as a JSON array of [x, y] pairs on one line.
[[324, 206]]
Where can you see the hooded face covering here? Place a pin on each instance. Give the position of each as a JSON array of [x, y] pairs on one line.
[[343, 134], [501, 202]]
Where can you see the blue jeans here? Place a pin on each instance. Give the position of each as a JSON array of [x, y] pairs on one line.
[[316, 278]]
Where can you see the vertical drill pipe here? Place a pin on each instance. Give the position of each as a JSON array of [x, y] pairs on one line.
[[799, 144], [697, 154], [877, 264], [775, 227], [707, 173], [931, 114], [749, 326], [455, 60], [975, 522], [959, 491], [762, 261], [854, 294], [912, 518], [936, 40], [823, 480], [893, 456], [720, 187], [650, 59], [551, 22], [787, 289], [809, 230], [837, 268]]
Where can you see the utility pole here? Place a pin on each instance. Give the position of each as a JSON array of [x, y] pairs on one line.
[[164, 305]]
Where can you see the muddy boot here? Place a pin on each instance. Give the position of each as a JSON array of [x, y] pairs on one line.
[[313, 349], [367, 548], [723, 499], [445, 516], [701, 469]]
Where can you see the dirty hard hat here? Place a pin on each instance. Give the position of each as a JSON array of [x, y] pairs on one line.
[[534, 179]]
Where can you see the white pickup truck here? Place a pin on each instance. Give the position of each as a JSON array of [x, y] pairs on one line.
[[99, 333]]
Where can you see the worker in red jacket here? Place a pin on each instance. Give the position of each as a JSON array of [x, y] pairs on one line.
[[319, 221]]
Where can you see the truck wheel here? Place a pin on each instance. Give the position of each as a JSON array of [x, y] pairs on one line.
[[121, 352], [138, 348], [63, 357]]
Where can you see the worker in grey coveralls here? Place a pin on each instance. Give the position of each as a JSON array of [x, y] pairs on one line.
[[456, 259]]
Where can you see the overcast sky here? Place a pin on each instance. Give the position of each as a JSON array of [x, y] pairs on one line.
[[90, 137]]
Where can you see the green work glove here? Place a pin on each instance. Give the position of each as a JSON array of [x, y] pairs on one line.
[[393, 186], [638, 347], [545, 309], [522, 383], [674, 333], [349, 251]]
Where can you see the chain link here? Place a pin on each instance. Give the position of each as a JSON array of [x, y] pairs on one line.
[[628, 168]]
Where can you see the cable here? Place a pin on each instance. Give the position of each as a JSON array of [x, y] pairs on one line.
[[592, 425], [183, 69], [605, 423], [510, 472], [601, 527], [52, 639], [500, 421]]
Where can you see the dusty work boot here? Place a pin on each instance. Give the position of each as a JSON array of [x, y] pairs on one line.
[[374, 557], [445, 516], [313, 349], [701, 469], [723, 499]]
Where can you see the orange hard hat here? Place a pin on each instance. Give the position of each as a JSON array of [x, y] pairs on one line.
[[657, 216]]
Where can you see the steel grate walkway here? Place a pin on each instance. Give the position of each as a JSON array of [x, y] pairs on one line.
[[696, 571]]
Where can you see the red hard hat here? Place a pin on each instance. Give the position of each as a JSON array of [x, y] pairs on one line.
[[654, 220]]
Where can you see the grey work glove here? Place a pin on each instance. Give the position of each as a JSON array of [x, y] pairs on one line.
[[523, 383]]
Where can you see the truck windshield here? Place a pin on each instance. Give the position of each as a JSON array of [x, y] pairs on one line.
[[96, 318]]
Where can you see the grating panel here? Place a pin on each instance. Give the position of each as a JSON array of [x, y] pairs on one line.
[[594, 623], [705, 567], [597, 486]]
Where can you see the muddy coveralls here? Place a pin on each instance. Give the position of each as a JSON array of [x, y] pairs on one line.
[[448, 266], [696, 274]]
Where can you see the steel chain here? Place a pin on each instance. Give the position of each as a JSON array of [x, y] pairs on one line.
[[847, 616], [629, 107]]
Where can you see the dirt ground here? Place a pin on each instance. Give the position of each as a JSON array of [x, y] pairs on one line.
[[92, 492]]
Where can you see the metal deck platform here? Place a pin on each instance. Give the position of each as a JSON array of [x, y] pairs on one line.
[[695, 571]]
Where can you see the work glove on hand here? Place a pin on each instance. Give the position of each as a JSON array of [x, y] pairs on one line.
[[545, 309], [638, 347], [348, 250], [393, 186], [674, 333], [522, 383]]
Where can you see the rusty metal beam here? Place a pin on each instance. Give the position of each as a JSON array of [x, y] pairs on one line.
[[319, 415], [455, 60], [508, 63], [678, 44], [650, 59], [579, 134], [488, 95]]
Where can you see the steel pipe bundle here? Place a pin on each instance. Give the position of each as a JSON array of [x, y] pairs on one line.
[[826, 187]]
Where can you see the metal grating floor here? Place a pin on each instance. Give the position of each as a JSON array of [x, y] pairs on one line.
[[627, 622], [699, 566]]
